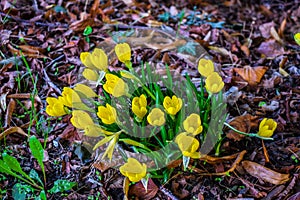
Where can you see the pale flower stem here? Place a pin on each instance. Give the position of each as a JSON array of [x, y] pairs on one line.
[[247, 134]]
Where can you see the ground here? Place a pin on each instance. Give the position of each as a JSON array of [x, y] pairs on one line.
[[251, 43]]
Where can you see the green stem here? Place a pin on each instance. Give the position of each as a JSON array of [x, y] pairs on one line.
[[247, 134], [149, 92]]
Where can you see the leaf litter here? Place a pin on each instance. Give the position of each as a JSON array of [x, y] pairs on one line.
[[251, 42]]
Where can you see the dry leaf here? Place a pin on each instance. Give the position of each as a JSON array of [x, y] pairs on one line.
[[126, 188], [246, 50], [250, 74], [266, 174], [295, 196], [154, 23], [271, 49], [282, 27], [10, 109], [12, 130], [139, 191], [265, 29], [103, 166], [242, 123], [275, 35]]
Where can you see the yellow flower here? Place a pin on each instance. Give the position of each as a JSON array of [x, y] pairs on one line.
[[99, 59], [93, 130], [297, 38], [188, 145], [85, 58], [139, 106], [81, 119], [123, 52], [156, 117], [205, 67], [134, 170], [267, 127], [107, 114], [173, 105], [112, 139], [85, 90], [214, 83], [115, 85], [90, 74], [55, 107], [192, 124], [69, 97]]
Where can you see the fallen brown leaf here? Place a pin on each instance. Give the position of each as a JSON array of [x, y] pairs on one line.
[[271, 48], [12, 130], [250, 74], [139, 191], [10, 109], [126, 188], [266, 174]]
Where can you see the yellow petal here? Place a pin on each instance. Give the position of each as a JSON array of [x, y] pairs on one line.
[[90, 74], [86, 90], [156, 117], [99, 59], [214, 83], [85, 58], [93, 131], [102, 142], [205, 67], [81, 119], [123, 52]]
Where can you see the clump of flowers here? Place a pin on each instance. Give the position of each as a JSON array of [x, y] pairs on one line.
[[143, 116]]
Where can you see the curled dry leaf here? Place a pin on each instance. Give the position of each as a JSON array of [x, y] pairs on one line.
[[266, 174], [12, 130], [126, 188], [250, 74], [10, 109], [139, 191]]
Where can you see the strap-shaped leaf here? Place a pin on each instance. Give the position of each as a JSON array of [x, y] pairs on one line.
[[14, 165], [5, 169], [134, 143], [37, 150]]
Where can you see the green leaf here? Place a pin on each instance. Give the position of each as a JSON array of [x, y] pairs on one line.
[[5, 169], [164, 17], [35, 176], [61, 186], [14, 165], [43, 195], [262, 103], [37, 151], [18, 193], [189, 47], [134, 143], [87, 31]]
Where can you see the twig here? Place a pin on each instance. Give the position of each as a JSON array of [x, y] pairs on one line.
[[168, 193], [28, 22], [234, 165]]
